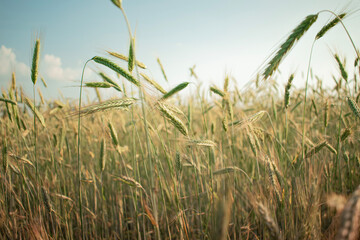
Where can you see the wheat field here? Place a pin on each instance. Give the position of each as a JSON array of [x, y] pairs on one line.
[[269, 161]]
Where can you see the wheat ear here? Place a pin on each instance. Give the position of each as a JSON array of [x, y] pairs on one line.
[[295, 35]]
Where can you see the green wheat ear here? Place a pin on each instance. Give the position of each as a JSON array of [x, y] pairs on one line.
[[117, 3], [131, 60], [354, 107], [295, 35], [176, 89], [329, 26], [35, 62], [287, 91], [106, 62], [341, 67]]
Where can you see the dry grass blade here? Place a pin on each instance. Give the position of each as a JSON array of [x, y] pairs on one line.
[[38, 115], [295, 35], [162, 68], [123, 103], [176, 89], [152, 82], [330, 25], [116, 68], [35, 62], [43, 81], [350, 218]]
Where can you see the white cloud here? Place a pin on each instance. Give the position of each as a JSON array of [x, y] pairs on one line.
[[8, 63], [52, 69]]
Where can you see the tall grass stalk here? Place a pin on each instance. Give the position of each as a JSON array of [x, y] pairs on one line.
[[79, 152], [143, 101]]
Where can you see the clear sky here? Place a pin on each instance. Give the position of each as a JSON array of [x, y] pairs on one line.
[[221, 37]]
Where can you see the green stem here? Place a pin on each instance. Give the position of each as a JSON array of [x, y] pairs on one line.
[[142, 97], [78, 154], [304, 109]]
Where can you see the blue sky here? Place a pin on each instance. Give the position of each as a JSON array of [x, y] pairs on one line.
[[232, 37]]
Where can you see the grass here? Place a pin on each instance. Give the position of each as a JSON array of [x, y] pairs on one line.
[[156, 166]]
